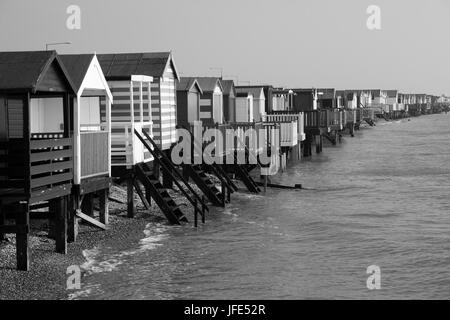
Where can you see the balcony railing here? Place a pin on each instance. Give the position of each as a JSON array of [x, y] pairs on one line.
[[292, 126]]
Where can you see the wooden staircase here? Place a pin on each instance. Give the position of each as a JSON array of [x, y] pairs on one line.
[[209, 189], [248, 181], [165, 202]]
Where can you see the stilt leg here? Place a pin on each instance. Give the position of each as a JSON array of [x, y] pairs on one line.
[[131, 209], [2, 223], [61, 225], [72, 228], [104, 210], [23, 225]]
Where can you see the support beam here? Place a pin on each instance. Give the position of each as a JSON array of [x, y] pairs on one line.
[[2, 223], [72, 220], [131, 208], [104, 209], [90, 220], [23, 222], [61, 224]]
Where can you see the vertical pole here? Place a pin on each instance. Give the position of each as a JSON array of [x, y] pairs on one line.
[[51, 218], [228, 195], [2, 223], [61, 224], [108, 130], [195, 213], [22, 222], [103, 203], [265, 183], [224, 199], [203, 209], [131, 209], [72, 228], [77, 140]]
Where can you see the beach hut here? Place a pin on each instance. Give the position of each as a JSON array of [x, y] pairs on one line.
[[143, 125], [188, 102], [259, 100], [211, 100], [244, 107], [91, 137], [229, 100], [36, 145], [282, 99], [268, 95], [161, 67]]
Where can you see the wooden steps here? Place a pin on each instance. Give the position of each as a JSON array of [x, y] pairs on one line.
[[165, 202], [209, 189], [248, 181]]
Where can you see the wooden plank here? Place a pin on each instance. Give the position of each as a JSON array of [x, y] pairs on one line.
[[51, 193], [50, 143], [53, 179], [20, 183], [51, 155], [44, 168], [90, 220], [131, 208], [141, 195]]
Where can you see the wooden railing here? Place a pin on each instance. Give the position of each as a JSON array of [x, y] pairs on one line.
[[126, 149], [51, 161], [292, 126], [94, 153]]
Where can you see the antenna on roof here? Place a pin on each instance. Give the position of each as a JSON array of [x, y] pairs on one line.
[[221, 71]]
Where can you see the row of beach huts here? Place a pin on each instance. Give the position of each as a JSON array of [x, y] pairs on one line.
[[71, 125]]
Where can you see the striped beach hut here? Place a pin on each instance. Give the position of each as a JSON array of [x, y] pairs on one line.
[[211, 101], [259, 100], [188, 101], [161, 67]]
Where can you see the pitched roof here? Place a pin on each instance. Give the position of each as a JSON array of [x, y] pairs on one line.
[[124, 65], [186, 84], [208, 84], [227, 85], [255, 91], [77, 66], [23, 70]]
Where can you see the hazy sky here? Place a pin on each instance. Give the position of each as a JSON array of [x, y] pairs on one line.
[[295, 43]]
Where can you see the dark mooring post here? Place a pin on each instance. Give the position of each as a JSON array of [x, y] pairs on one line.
[[195, 214], [131, 208], [61, 224], [72, 220], [23, 225], [224, 194], [203, 209], [103, 203], [2, 223]]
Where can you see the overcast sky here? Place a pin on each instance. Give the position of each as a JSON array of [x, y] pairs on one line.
[[294, 43]]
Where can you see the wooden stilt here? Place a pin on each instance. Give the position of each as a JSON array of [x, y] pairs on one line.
[[104, 209], [131, 208], [61, 225], [2, 223], [72, 220], [23, 225], [51, 219]]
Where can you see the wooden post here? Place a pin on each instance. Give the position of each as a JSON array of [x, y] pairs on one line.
[[131, 208], [195, 214], [22, 222], [148, 195], [265, 183], [61, 224], [203, 209], [224, 199], [103, 203], [2, 223], [72, 220], [87, 207], [228, 195], [51, 219]]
